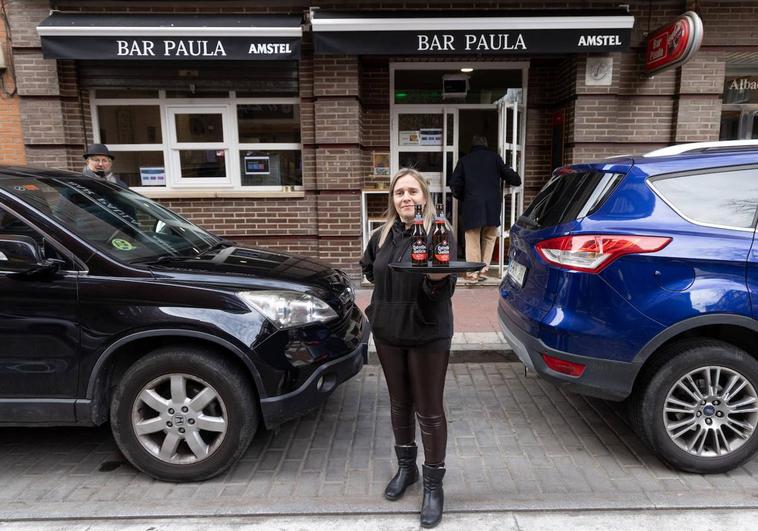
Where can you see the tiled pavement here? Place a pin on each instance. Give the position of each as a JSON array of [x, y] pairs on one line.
[[514, 443]]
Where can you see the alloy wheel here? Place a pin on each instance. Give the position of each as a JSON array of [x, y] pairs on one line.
[[711, 411], [179, 418]]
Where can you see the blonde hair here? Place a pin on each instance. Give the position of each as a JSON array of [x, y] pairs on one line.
[[391, 214]]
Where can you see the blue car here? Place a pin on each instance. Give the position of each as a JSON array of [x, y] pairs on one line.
[[637, 279]]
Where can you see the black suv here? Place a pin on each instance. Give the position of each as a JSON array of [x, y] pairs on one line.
[[113, 308]]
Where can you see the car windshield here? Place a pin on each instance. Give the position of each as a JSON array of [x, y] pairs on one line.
[[122, 223]]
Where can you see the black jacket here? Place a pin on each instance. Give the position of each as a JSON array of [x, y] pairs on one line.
[[477, 181], [407, 309]]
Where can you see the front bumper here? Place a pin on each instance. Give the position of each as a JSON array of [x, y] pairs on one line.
[[607, 379], [317, 388]]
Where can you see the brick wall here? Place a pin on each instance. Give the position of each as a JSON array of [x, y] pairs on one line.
[[345, 116], [11, 132]]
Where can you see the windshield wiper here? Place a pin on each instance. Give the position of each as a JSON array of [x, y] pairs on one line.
[[221, 244], [159, 259]]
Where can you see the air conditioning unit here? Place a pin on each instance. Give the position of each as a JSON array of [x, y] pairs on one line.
[[454, 86]]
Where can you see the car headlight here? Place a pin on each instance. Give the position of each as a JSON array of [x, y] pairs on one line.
[[288, 308]]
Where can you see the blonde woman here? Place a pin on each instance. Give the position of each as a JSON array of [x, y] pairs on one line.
[[411, 317]]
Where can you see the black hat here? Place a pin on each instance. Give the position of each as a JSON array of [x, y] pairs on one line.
[[98, 149]]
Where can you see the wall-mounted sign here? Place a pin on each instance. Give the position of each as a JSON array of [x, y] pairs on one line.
[[469, 32], [151, 48], [673, 44], [741, 89], [599, 71], [170, 36]]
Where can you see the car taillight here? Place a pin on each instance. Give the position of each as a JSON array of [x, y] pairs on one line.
[[564, 367], [592, 253]]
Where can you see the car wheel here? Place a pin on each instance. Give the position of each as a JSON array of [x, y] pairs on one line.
[[183, 414], [699, 410]]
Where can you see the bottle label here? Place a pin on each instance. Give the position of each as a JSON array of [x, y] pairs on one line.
[[418, 252], [442, 252]]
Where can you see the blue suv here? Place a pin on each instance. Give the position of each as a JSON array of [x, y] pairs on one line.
[[637, 279]]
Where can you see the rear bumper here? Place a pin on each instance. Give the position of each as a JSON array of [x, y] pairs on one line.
[[607, 379], [317, 388]]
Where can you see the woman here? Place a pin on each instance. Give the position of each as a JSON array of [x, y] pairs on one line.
[[411, 318]]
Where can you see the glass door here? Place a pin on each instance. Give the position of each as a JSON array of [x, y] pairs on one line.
[[425, 138], [199, 145], [510, 110]]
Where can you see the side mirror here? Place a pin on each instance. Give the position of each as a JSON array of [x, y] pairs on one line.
[[20, 255], [18, 252]]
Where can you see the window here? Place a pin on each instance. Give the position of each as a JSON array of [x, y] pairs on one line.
[[739, 107], [726, 198], [571, 196], [200, 139]]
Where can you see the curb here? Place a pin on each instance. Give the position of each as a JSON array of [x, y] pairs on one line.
[[473, 355]]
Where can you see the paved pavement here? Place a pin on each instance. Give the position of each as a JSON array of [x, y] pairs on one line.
[[477, 332], [517, 446], [516, 443], [657, 520]]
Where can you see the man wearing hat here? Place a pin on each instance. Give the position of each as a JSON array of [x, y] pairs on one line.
[[98, 163]]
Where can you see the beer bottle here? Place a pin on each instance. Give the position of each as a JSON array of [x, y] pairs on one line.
[[419, 254], [440, 240]]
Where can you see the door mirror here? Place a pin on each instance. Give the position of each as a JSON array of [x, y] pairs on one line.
[[21, 256], [18, 252]]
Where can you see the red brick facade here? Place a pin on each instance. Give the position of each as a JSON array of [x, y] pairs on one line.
[[345, 112]]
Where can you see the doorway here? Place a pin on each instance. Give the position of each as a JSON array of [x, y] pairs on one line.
[[436, 109]]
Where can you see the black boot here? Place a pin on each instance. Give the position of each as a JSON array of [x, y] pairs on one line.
[[407, 471], [434, 497]]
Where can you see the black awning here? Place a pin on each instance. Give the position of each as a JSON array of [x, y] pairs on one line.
[[171, 37], [470, 32]]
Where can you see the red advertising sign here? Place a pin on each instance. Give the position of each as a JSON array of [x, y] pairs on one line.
[[673, 44]]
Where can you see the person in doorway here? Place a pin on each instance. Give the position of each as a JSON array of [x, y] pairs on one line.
[[477, 183], [411, 316], [98, 162]]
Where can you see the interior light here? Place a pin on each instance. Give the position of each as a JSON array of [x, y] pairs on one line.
[[467, 69]]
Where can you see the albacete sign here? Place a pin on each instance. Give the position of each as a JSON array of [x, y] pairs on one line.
[[673, 44]]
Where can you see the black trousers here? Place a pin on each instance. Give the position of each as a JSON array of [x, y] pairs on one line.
[[416, 383]]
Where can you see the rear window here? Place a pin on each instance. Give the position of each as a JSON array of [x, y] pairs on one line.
[[571, 196], [724, 197]]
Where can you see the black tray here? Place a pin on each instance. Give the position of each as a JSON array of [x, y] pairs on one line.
[[454, 267]]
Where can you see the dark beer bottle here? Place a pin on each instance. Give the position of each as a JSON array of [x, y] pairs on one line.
[[419, 253], [440, 240]]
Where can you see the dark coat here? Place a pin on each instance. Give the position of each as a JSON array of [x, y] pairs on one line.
[[407, 309], [477, 182]]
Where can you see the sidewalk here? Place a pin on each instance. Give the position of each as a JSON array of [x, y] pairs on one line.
[[477, 335], [515, 444]]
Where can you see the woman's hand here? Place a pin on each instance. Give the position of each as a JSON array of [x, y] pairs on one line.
[[437, 276]]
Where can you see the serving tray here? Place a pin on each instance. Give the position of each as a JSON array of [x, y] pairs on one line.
[[454, 267]]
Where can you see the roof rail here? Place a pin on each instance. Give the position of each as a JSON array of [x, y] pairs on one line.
[[701, 147]]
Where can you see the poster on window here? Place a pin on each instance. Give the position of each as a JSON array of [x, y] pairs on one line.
[[431, 136], [409, 138], [152, 176], [257, 165]]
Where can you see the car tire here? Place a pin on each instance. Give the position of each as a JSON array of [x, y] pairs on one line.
[[183, 413], [699, 409]]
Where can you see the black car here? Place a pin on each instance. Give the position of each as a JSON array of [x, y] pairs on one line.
[[114, 309]]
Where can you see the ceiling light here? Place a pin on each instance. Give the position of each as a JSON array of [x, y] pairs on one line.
[[467, 69]]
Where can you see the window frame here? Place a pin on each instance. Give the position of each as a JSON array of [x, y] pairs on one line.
[[175, 184], [650, 181]]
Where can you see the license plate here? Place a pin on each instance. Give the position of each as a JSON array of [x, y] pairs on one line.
[[516, 272]]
